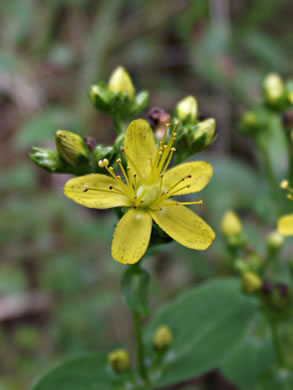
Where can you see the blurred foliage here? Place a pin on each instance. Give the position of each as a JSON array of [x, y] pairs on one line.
[[51, 52]]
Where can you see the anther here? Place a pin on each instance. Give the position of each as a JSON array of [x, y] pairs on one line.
[[173, 149], [118, 160], [105, 162], [85, 188], [101, 164]]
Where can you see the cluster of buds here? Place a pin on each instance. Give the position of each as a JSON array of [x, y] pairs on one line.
[[119, 359], [72, 154], [118, 98], [193, 135], [277, 97]]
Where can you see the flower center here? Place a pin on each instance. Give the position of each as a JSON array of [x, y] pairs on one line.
[[148, 195]]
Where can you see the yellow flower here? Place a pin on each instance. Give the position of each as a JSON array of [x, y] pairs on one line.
[[147, 190], [285, 223]]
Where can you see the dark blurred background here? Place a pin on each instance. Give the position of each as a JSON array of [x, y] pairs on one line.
[[59, 286]]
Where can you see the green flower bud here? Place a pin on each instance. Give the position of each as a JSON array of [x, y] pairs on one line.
[[47, 159], [99, 96], [240, 265], [71, 147], [275, 241], [162, 338], [273, 88], [231, 224], [255, 262], [140, 102], [250, 282], [207, 128], [187, 107], [119, 360], [250, 119], [120, 81]]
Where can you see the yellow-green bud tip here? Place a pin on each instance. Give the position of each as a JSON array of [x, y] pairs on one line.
[[273, 87], [162, 338], [70, 146], [231, 224], [208, 127], [275, 240], [186, 107], [250, 282], [249, 118], [284, 184], [120, 81], [119, 360]]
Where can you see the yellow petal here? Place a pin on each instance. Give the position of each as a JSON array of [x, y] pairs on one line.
[[184, 226], [285, 225], [140, 145], [132, 236], [93, 191], [200, 172]]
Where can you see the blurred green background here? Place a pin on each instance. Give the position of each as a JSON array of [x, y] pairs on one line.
[[59, 287]]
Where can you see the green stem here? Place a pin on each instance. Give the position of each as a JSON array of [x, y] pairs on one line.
[[139, 346], [118, 125], [277, 344], [290, 157], [269, 172]]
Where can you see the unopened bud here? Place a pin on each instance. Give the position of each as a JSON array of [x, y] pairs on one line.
[[250, 282], [275, 241], [119, 360], [207, 128], [231, 224], [120, 81], [71, 147], [285, 225], [240, 265], [250, 119], [273, 87], [162, 338], [47, 159], [187, 107]]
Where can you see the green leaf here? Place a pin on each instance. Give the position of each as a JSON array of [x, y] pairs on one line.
[[207, 324], [84, 372], [134, 285], [252, 357]]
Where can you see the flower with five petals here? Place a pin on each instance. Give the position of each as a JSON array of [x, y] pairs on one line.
[[147, 190]]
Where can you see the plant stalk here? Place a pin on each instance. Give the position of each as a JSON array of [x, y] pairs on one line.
[[139, 346], [277, 344]]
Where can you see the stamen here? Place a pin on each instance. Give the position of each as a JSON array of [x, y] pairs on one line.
[[166, 203], [124, 173], [129, 159]]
